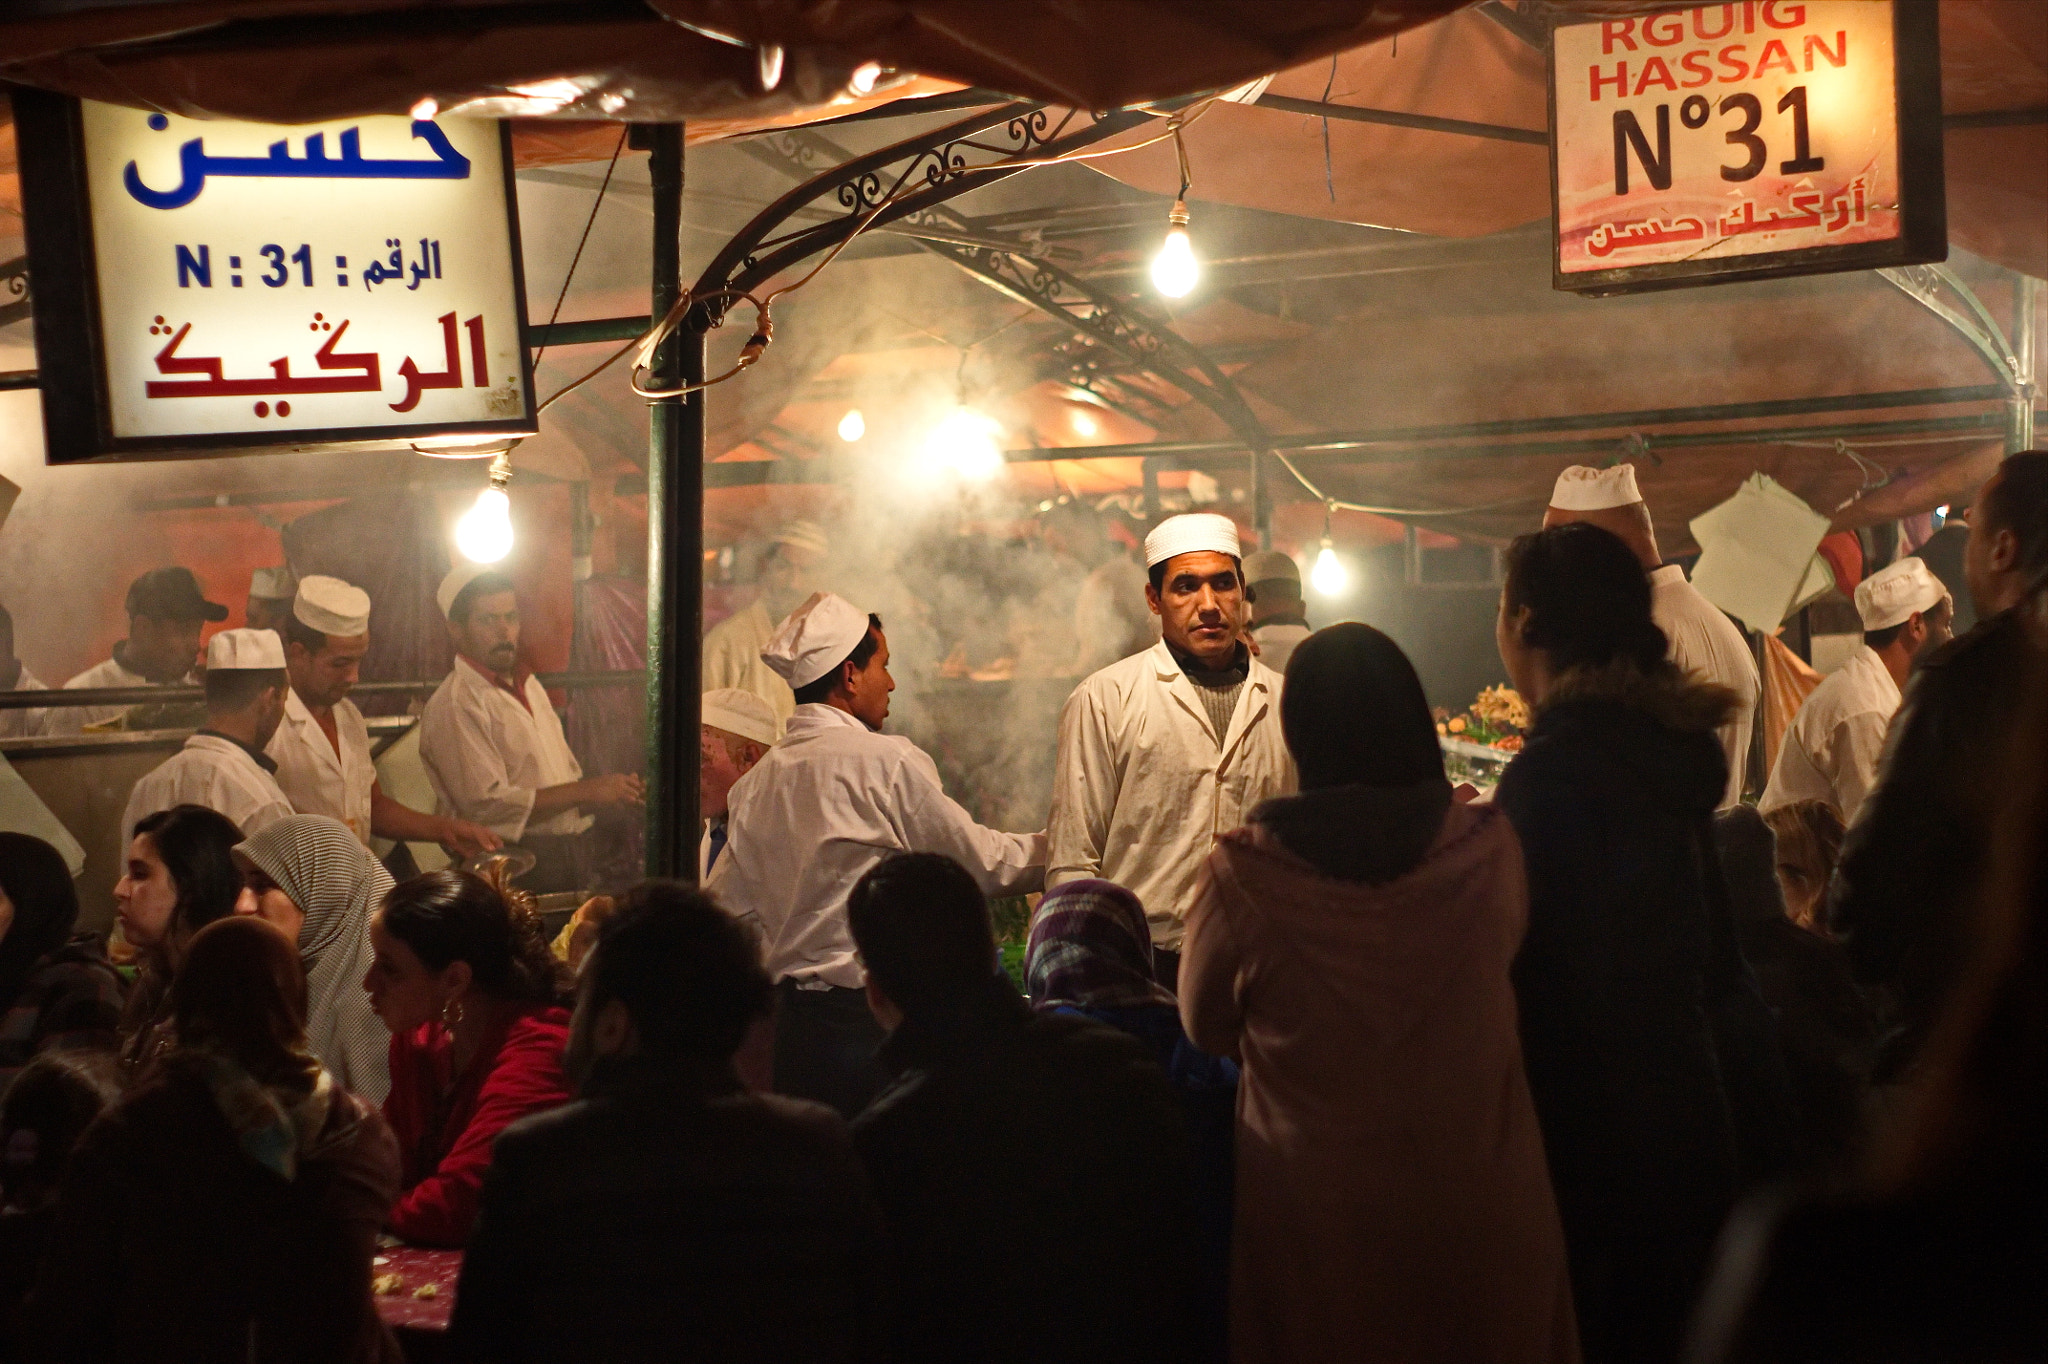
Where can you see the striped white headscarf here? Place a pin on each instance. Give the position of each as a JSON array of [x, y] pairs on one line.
[[332, 878]]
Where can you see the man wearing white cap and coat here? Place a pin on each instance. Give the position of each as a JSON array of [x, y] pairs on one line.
[[831, 801], [272, 593], [732, 648], [322, 749], [493, 746], [223, 766], [1170, 748], [737, 728], [1831, 748], [1702, 638]]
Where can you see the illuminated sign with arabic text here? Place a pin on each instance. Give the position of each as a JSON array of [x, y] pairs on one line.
[[210, 286], [1745, 140]]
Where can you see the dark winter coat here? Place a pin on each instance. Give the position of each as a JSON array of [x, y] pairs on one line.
[[1033, 1173], [667, 1212], [1619, 773], [1912, 864]]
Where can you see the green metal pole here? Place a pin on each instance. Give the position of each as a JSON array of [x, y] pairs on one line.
[[675, 533]]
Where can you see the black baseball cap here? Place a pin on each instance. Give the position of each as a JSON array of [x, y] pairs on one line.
[[171, 594]]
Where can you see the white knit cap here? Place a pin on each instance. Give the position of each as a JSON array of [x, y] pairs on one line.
[[741, 713], [804, 535], [1191, 533], [331, 606], [1583, 488], [271, 584], [459, 577], [244, 651], [816, 638], [1891, 595]]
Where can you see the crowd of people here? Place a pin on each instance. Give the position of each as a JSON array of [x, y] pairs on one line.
[[1313, 1056]]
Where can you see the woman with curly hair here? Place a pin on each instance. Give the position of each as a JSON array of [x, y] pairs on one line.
[[464, 979]]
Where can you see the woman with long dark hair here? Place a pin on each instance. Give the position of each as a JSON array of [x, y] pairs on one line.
[[177, 879], [57, 988], [227, 1207], [464, 979], [1613, 796]]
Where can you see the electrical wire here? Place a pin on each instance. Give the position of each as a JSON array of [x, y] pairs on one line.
[[1338, 504], [577, 258]]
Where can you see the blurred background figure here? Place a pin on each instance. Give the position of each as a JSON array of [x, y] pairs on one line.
[[271, 591], [15, 676], [47, 1109], [57, 988], [1279, 618], [166, 612], [738, 730], [788, 573]]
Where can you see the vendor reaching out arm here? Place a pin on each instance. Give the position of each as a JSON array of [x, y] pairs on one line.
[[493, 746]]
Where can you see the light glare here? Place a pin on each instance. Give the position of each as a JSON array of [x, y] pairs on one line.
[[964, 441], [484, 534], [1329, 576], [1175, 271], [852, 426]]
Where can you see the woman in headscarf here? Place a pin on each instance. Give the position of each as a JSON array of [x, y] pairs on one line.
[[177, 879], [1090, 954], [227, 1208], [314, 881], [1351, 945], [466, 982], [57, 988]]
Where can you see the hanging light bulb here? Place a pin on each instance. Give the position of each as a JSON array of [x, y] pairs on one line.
[[1085, 424], [1329, 576], [1175, 271], [484, 534], [852, 426], [964, 442]]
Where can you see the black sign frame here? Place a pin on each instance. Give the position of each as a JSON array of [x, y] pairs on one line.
[[1923, 188], [71, 357]]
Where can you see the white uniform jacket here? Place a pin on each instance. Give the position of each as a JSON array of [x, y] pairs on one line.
[[317, 779], [830, 801], [1832, 746], [487, 755], [1705, 641], [25, 724], [732, 658], [74, 719], [1277, 643], [1141, 793], [211, 771]]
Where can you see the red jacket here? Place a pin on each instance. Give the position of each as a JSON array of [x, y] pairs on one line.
[[515, 1073]]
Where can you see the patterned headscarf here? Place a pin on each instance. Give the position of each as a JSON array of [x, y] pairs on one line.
[[1091, 949], [332, 878]]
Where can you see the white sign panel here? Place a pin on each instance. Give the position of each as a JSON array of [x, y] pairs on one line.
[[324, 283], [1740, 138]]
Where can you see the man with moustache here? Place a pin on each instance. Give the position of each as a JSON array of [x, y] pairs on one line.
[[493, 746], [322, 750], [1164, 751], [1831, 748]]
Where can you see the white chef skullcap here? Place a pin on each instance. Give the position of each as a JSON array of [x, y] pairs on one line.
[[331, 606], [816, 638], [1583, 488], [272, 584], [741, 713], [244, 651], [1191, 533], [804, 535], [1891, 595], [459, 577]]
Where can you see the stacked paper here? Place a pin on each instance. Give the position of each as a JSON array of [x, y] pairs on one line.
[[1757, 554]]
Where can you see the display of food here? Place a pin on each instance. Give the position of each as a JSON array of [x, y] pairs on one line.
[[1481, 740]]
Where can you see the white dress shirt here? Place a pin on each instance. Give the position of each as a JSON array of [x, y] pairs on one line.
[[215, 772], [488, 756], [318, 779], [1832, 746], [1141, 790], [112, 673], [732, 658], [1706, 642], [24, 724], [824, 806]]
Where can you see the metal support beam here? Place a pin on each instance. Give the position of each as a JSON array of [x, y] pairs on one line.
[[2026, 325], [675, 532], [1924, 284], [1352, 113]]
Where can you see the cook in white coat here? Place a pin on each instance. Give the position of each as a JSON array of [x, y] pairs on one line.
[[1279, 620], [272, 594], [737, 728], [1702, 638], [322, 750], [833, 799], [166, 611], [1831, 748], [223, 766], [1163, 752], [493, 747], [732, 648], [15, 676]]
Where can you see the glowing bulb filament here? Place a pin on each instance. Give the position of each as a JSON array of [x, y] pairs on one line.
[[1175, 271], [484, 534], [1329, 576]]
